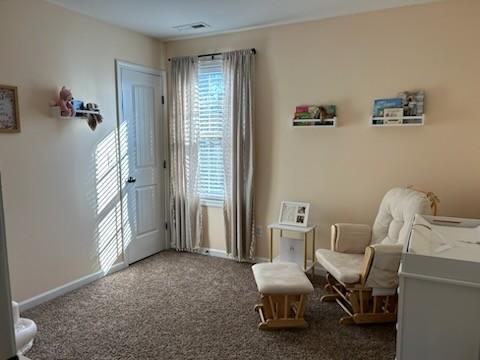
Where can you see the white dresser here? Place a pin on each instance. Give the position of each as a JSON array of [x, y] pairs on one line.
[[439, 291]]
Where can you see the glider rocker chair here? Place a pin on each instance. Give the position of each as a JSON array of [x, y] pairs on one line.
[[362, 264]]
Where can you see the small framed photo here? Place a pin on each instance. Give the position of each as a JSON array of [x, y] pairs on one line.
[[393, 113], [294, 213], [9, 116]]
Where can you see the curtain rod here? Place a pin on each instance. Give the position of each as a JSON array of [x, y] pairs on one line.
[[214, 54]]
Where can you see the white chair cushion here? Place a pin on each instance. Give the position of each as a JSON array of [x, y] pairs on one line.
[[396, 213], [344, 267], [281, 278]]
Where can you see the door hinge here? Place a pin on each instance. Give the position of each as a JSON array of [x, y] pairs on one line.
[[166, 226], [164, 164], [163, 99]]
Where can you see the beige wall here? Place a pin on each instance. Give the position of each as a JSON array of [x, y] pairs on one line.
[[214, 228], [48, 169], [350, 61]]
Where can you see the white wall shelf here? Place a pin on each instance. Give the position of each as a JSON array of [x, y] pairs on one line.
[[403, 121], [79, 114], [317, 123]]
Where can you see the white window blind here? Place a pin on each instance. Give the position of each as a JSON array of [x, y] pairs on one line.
[[211, 113]]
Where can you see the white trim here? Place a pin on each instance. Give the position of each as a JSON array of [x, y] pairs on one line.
[[214, 253], [440, 280], [121, 64], [319, 269], [140, 68], [73, 285], [223, 254], [166, 155], [301, 20], [248, 28], [261, 260]]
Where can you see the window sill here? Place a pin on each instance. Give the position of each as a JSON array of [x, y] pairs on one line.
[[211, 203]]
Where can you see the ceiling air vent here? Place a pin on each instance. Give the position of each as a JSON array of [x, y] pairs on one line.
[[195, 26]]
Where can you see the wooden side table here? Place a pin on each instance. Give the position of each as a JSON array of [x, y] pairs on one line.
[[304, 263]]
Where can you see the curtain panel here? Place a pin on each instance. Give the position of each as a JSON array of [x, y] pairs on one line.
[[238, 145], [185, 209]]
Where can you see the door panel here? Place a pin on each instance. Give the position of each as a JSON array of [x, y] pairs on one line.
[[144, 107], [141, 158], [147, 214]]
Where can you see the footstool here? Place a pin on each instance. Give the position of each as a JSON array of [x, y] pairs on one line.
[[284, 288]]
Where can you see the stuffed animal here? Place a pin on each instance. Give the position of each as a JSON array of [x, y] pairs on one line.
[[323, 113], [65, 102], [93, 118]]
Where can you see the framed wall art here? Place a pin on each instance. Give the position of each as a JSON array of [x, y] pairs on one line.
[[294, 213], [9, 115]]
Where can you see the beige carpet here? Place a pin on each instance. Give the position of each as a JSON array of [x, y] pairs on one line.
[[186, 306]]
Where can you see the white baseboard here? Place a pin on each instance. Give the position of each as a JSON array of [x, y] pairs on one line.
[[319, 270], [52, 294], [223, 254], [215, 253], [261, 260]]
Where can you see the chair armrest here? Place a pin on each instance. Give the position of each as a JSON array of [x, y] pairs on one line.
[[350, 238], [380, 266]]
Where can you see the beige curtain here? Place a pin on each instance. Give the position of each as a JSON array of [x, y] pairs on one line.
[[186, 214], [239, 154]]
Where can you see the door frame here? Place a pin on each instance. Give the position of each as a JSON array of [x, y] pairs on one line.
[[119, 65]]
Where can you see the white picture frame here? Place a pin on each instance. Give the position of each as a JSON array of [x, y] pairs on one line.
[[9, 116], [294, 213], [396, 113]]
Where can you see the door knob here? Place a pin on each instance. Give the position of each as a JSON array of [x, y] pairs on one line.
[[131, 179]]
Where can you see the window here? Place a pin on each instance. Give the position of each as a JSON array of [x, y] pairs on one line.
[[211, 115]]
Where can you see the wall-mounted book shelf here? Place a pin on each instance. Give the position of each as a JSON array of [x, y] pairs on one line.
[[309, 123], [400, 121], [79, 114]]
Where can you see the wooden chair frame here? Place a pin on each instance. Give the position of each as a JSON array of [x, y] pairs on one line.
[[360, 305], [357, 300], [281, 311]]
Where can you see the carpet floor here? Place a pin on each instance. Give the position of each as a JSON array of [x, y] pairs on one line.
[[187, 306]]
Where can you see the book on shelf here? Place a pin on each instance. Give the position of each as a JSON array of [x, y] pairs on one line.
[[321, 112], [380, 105]]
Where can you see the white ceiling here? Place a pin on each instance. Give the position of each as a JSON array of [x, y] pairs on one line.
[[158, 17]]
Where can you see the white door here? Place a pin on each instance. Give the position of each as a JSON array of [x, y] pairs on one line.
[[142, 161]]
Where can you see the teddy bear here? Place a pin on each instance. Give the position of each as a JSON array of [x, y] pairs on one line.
[[65, 102]]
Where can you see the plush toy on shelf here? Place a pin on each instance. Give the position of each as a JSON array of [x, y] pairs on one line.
[[65, 102], [94, 118]]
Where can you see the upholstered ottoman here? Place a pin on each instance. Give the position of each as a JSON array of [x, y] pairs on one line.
[[284, 288]]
